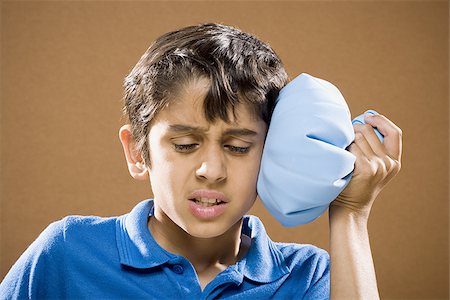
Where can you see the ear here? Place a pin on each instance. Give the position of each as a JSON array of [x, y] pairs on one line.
[[138, 170]]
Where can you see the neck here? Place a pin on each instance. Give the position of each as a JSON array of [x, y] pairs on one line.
[[203, 253]]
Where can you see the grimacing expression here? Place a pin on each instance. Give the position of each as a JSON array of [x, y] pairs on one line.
[[188, 154]]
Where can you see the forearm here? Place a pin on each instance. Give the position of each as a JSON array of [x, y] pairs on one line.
[[352, 269]]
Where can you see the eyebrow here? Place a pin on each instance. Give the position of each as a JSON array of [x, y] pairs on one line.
[[231, 131]]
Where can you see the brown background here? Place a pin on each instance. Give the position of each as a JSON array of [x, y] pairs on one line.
[[62, 69]]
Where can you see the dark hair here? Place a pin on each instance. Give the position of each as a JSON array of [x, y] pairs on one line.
[[240, 69]]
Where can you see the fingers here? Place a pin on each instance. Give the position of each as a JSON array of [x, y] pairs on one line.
[[367, 161], [368, 141], [359, 154], [362, 143], [384, 158], [392, 135]]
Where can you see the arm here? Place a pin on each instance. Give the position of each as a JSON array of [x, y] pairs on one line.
[[352, 269]]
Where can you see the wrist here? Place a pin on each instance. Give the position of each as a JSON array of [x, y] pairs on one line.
[[342, 214]]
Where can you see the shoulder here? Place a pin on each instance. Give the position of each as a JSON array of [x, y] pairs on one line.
[[292, 253], [300, 259], [309, 265], [305, 268], [41, 269], [72, 227], [59, 234], [302, 252], [80, 234], [87, 225], [304, 257]]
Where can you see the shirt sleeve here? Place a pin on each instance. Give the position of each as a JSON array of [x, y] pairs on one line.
[[319, 287], [37, 273]]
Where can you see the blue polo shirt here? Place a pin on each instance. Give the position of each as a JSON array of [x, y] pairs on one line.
[[117, 258]]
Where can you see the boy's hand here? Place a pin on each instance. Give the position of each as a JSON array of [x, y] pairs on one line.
[[376, 164]]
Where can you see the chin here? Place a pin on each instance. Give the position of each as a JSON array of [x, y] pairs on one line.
[[204, 235], [211, 231], [208, 230]]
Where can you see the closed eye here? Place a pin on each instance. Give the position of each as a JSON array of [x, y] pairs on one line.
[[237, 150], [185, 147], [190, 147]]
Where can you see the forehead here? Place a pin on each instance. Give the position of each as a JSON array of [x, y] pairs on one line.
[[186, 107]]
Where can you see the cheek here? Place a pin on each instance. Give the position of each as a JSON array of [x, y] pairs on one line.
[[167, 173], [244, 174], [243, 185]]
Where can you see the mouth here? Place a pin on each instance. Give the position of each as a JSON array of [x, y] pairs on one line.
[[206, 202], [208, 198]]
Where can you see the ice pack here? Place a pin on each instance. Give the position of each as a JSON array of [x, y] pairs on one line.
[[305, 164]]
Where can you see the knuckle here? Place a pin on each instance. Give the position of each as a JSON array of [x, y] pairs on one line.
[[358, 136], [374, 170], [380, 165], [356, 127], [369, 169], [375, 167], [388, 163], [392, 166], [366, 128], [386, 119]]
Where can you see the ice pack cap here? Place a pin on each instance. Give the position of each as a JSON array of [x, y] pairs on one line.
[[304, 164], [360, 120]]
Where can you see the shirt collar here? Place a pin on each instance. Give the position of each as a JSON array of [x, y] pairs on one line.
[[263, 262], [136, 245], [137, 248]]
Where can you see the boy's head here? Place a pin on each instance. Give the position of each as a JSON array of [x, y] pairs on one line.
[[199, 103], [238, 66]]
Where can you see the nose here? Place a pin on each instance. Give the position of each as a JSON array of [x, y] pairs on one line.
[[212, 166]]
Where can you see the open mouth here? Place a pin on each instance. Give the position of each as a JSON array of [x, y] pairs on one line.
[[207, 202]]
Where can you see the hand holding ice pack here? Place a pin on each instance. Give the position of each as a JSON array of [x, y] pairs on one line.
[[304, 165]]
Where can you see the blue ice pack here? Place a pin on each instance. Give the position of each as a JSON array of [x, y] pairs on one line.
[[305, 164]]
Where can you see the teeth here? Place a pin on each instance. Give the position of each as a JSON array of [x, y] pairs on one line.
[[212, 201], [207, 200]]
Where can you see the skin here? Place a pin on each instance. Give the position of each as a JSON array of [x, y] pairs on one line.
[[213, 164], [352, 269]]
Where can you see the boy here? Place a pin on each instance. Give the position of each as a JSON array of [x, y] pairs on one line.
[[199, 103]]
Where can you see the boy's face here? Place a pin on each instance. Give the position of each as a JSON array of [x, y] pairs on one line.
[[194, 162]]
